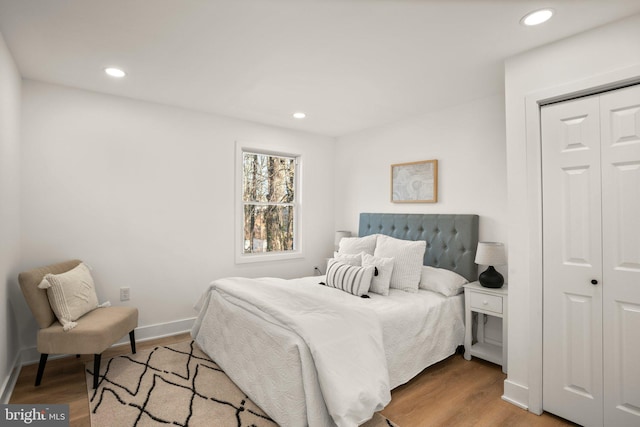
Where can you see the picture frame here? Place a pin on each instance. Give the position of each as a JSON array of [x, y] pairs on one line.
[[415, 182]]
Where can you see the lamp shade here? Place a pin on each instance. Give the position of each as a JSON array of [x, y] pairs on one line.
[[490, 253], [339, 235]]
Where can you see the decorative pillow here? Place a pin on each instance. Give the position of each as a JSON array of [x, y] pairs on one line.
[[446, 282], [351, 259], [384, 266], [356, 245], [71, 294], [408, 257], [349, 278]]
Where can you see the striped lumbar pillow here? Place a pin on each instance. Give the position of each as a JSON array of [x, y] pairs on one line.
[[349, 278]]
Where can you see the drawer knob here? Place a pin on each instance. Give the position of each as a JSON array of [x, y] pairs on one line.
[[485, 302]]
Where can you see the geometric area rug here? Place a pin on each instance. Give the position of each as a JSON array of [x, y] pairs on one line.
[[175, 385]]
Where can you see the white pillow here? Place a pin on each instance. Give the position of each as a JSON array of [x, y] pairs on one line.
[[380, 283], [355, 245], [349, 278], [446, 282], [71, 294], [351, 259], [408, 257]]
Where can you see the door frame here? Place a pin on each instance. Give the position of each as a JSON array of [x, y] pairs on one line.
[[533, 102]]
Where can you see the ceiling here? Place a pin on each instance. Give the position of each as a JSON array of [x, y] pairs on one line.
[[348, 64]]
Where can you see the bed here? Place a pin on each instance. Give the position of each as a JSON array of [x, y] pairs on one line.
[[326, 357]]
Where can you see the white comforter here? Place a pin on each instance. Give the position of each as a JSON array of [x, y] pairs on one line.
[[345, 342]]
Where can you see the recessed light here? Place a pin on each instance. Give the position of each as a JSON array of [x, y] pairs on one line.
[[537, 17], [299, 115], [115, 72]]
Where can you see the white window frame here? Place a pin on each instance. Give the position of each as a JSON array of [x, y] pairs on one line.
[[242, 258]]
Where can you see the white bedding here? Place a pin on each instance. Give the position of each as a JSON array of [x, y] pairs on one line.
[[278, 369], [419, 329]]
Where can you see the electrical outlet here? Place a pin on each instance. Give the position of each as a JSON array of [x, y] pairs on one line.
[[124, 294], [316, 271]]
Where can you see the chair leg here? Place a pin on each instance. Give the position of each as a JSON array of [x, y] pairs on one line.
[[43, 361], [96, 369], [132, 339]]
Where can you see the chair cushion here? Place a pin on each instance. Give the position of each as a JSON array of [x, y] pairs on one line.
[[96, 331], [71, 294], [37, 298]]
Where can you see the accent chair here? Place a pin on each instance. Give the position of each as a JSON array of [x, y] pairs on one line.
[[95, 331]]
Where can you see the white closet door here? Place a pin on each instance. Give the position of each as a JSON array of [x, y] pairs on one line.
[[620, 139], [572, 348]]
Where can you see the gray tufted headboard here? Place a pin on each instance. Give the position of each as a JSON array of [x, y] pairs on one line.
[[452, 240]]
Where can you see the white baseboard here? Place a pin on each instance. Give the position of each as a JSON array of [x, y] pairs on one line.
[[516, 394], [10, 381], [160, 330]]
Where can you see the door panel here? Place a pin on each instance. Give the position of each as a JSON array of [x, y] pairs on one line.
[[572, 350], [576, 226], [620, 139], [578, 339]]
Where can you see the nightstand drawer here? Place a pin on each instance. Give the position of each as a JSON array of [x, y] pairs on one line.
[[485, 302]]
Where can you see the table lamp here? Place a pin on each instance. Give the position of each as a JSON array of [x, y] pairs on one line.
[[490, 254]]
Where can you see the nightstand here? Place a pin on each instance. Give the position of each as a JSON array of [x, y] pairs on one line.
[[485, 302]]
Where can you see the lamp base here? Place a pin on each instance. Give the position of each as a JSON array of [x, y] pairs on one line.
[[490, 278]]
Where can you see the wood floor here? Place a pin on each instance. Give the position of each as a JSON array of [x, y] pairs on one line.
[[454, 392], [457, 392]]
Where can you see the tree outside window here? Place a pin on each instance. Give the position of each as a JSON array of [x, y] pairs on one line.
[[269, 203]]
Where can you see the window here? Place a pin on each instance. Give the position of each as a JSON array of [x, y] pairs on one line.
[[269, 204]]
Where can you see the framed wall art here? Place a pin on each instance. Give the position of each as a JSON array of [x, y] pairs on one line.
[[415, 182]]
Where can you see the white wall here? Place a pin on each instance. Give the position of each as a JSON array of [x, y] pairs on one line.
[[467, 140], [10, 85], [593, 59], [144, 193]]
